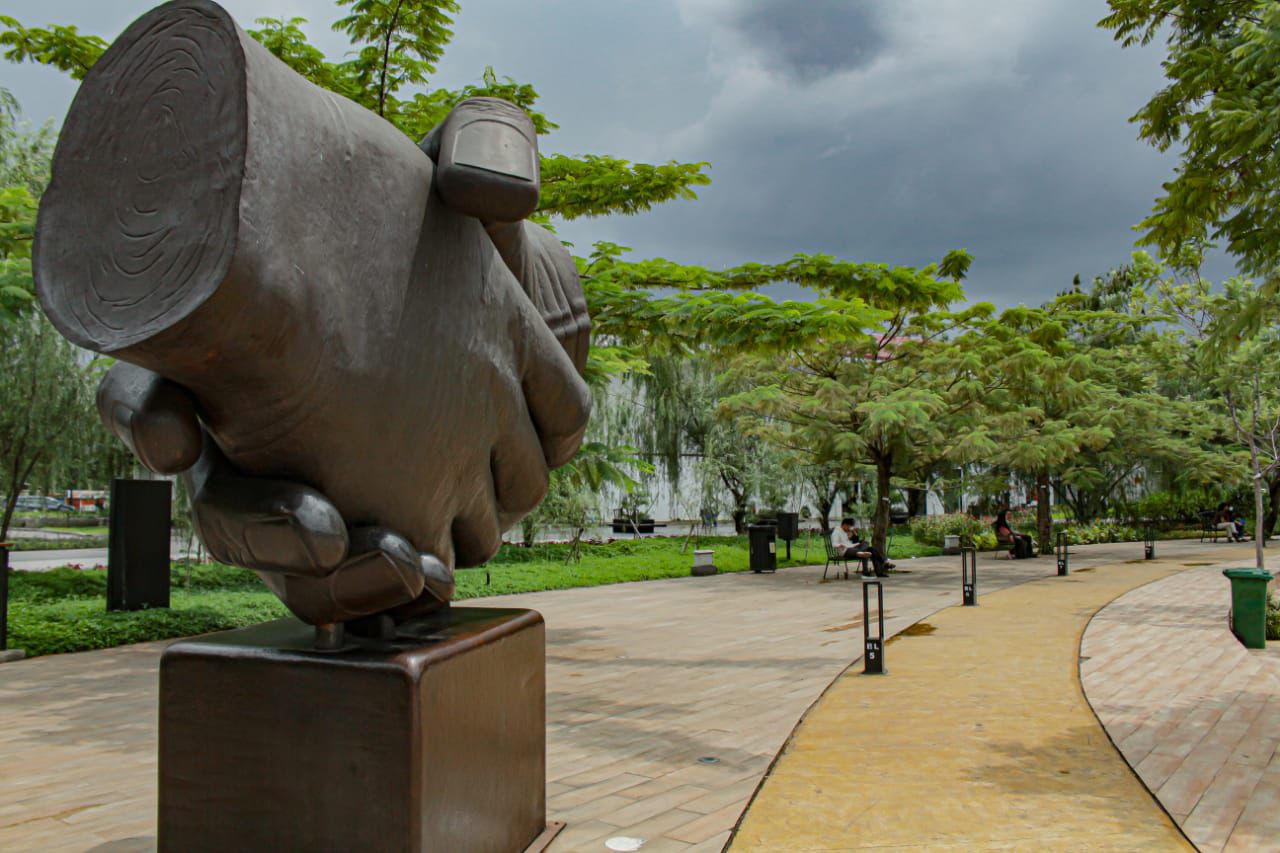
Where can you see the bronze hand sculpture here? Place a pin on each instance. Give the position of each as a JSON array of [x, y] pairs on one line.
[[360, 358]]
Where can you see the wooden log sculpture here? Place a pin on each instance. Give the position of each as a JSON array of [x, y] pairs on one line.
[[359, 356]]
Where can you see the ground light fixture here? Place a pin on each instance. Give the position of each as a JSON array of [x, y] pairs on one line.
[[969, 576], [872, 647]]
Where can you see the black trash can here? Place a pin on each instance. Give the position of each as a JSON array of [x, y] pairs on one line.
[[788, 528], [762, 546]]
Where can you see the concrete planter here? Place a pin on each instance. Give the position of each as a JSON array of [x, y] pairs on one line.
[[703, 563]]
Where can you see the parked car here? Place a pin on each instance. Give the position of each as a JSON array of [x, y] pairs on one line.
[[40, 503]]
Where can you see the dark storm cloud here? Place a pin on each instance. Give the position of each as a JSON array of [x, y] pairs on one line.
[[813, 38], [880, 131]]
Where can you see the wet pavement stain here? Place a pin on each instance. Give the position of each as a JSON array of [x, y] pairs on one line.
[[920, 629]]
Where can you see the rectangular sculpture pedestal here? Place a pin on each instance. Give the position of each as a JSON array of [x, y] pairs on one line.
[[434, 741]]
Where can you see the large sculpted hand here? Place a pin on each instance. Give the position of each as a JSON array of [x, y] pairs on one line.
[[357, 355]]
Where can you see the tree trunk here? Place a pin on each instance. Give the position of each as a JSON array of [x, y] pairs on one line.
[[1044, 513], [824, 513], [1273, 509], [1259, 513], [880, 519], [9, 507]]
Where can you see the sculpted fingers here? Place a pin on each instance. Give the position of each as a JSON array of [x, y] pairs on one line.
[[155, 418], [270, 525], [475, 531], [486, 154], [559, 400], [437, 591], [382, 571], [549, 277], [382, 575], [519, 473]]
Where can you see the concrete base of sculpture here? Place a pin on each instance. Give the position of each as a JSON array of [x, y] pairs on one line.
[[434, 740]]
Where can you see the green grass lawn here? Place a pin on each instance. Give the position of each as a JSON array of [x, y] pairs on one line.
[[64, 610], [100, 530]]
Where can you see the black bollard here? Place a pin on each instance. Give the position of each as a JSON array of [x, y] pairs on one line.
[[138, 547], [1063, 569], [872, 647], [1149, 543], [969, 576]]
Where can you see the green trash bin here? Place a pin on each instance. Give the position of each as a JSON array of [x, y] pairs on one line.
[[1249, 605]]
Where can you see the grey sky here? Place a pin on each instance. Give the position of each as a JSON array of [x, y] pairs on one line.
[[878, 130]]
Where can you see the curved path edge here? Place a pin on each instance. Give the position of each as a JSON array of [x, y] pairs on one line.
[[980, 736], [1193, 713]]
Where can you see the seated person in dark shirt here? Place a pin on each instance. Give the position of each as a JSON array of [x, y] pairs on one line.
[[1022, 546]]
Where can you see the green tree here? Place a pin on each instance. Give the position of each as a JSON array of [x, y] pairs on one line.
[[1073, 408], [1241, 381], [45, 398], [864, 376], [24, 172], [1218, 108], [396, 45]]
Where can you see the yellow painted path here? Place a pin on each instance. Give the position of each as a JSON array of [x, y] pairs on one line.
[[978, 738]]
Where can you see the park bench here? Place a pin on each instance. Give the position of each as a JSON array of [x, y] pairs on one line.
[[863, 557], [1209, 526], [1004, 544], [833, 557]]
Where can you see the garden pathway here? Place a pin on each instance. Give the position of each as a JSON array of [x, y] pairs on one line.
[[978, 738], [644, 680], [1191, 709]]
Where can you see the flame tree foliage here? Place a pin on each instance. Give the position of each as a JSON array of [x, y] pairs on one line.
[[1218, 109]]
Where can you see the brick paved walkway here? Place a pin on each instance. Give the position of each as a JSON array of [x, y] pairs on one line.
[[979, 737], [643, 681], [1193, 711]]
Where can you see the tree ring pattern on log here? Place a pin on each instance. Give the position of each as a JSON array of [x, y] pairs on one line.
[[159, 130]]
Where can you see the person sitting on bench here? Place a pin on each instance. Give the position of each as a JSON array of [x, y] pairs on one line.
[[1227, 521], [848, 542], [1020, 545]]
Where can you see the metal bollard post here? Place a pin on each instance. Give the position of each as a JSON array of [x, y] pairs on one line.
[[4, 596], [872, 647], [1063, 569], [1149, 543], [969, 576]]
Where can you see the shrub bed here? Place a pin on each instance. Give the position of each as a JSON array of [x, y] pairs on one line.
[[58, 544], [64, 610]]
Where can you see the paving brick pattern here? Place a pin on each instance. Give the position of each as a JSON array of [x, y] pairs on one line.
[[643, 681], [1195, 713], [980, 737]]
